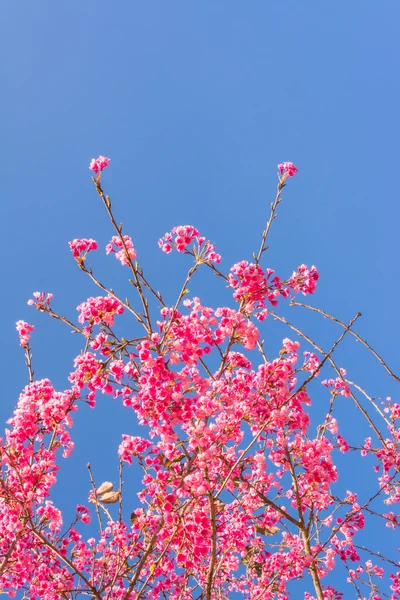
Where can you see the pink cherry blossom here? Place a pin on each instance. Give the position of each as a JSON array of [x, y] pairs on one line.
[[100, 309], [41, 300], [287, 169], [82, 246], [253, 287], [121, 253], [24, 330], [338, 385], [98, 164], [304, 280], [184, 236]]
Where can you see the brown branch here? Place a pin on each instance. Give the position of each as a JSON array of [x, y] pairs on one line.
[[28, 357], [213, 559], [358, 337], [276, 507], [378, 554], [111, 293], [304, 531], [8, 553], [274, 206], [89, 468], [133, 267]]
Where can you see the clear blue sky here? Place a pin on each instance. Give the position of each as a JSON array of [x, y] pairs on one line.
[[196, 103]]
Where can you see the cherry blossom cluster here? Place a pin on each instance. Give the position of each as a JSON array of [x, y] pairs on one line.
[[132, 446], [24, 331], [88, 372], [182, 236], [253, 286], [101, 309], [287, 169], [304, 280], [81, 246], [41, 300], [122, 250], [98, 164], [338, 385], [311, 363]]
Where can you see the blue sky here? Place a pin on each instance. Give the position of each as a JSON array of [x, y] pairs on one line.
[[196, 103]]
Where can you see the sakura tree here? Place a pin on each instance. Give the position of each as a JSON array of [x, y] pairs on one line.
[[241, 492]]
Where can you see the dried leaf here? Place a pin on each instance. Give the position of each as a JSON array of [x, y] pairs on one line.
[[110, 497], [107, 486], [266, 530]]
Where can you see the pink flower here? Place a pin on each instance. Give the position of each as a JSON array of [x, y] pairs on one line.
[[132, 446], [83, 514], [210, 254], [117, 247], [304, 280], [41, 300], [52, 515], [249, 283], [24, 329], [185, 235], [287, 169], [82, 245], [343, 445], [98, 164], [338, 385], [101, 309]]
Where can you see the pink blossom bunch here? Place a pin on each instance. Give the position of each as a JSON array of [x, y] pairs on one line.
[[52, 515], [88, 373], [184, 236], [338, 385], [287, 169], [234, 325], [311, 362], [253, 287], [342, 443], [24, 331], [304, 280], [101, 309], [389, 456], [209, 253], [41, 300], [249, 282], [81, 246], [98, 164], [132, 446], [83, 514], [122, 249], [99, 343]]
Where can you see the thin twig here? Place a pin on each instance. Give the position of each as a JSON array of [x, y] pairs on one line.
[[89, 468], [274, 206], [358, 337]]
